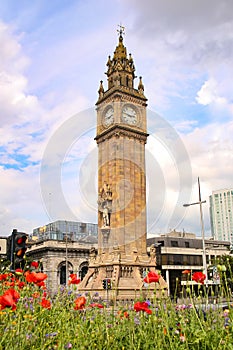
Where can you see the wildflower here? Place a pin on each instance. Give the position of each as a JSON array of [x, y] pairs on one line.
[[136, 320], [49, 335], [182, 338], [68, 346], [199, 277], [36, 277], [73, 279], [142, 306], [99, 306], [45, 303], [123, 314], [18, 271], [3, 276], [35, 264], [9, 299], [80, 303], [21, 284], [36, 295], [152, 277]]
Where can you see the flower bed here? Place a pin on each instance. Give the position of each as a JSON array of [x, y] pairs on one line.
[[31, 319]]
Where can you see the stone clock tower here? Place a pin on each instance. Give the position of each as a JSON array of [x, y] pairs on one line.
[[121, 137]]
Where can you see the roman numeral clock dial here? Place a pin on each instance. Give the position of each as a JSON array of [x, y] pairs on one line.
[[108, 117], [129, 115]]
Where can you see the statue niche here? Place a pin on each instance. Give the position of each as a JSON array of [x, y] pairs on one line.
[[105, 204]]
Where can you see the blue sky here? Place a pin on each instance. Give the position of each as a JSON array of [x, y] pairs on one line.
[[53, 55]]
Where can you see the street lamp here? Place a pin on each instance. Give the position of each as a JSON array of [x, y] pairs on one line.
[[66, 257], [200, 202]]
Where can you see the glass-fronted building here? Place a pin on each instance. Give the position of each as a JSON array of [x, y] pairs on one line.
[[62, 229]]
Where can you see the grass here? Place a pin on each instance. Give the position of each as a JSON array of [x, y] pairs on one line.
[[35, 320]]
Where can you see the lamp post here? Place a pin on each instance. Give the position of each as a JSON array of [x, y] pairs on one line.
[[200, 202], [66, 257]]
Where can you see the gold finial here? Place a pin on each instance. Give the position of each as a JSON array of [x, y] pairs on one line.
[[121, 30]]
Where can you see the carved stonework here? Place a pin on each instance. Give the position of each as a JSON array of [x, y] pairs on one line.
[[93, 254], [105, 233], [105, 205], [152, 253]]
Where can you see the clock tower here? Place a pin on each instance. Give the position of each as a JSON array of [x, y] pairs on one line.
[[121, 136]]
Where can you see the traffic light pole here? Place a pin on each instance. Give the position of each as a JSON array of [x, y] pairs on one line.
[[12, 249]]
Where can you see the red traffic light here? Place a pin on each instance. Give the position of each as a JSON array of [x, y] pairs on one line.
[[20, 240], [19, 247]]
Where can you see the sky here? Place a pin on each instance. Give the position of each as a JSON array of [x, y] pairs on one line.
[[53, 56]]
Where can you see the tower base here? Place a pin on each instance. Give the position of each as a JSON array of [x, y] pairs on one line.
[[126, 277]]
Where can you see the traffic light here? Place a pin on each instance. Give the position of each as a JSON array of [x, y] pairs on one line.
[[18, 247], [107, 283]]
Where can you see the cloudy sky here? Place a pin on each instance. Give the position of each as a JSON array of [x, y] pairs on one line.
[[53, 55]]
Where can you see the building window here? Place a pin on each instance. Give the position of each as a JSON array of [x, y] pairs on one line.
[[186, 244], [174, 243], [62, 272], [63, 275], [83, 268], [161, 243]]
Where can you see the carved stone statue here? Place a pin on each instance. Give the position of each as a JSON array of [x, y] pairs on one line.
[[105, 204], [105, 217], [93, 253], [152, 251]]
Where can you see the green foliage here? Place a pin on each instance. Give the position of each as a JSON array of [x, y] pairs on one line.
[[187, 325]]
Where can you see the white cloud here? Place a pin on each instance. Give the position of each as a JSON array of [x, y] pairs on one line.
[[184, 51], [208, 93]]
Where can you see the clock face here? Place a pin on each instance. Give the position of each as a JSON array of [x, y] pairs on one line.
[[129, 115], [108, 117]]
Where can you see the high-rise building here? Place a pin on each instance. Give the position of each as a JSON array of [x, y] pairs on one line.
[[221, 214]]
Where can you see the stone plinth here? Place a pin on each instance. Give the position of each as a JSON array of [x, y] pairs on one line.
[[126, 278]]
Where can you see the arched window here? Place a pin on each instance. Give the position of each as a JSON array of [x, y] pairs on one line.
[[62, 272], [83, 268]]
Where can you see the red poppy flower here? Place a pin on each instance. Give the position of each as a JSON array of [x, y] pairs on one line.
[[99, 306], [35, 264], [9, 299], [186, 272], [80, 303], [142, 306], [18, 271], [9, 283], [45, 303], [35, 277], [73, 279], [152, 277], [199, 277], [3, 276], [21, 284]]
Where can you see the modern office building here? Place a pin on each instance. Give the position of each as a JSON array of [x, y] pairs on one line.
[[221, 214], [179, 251], [60, 229]]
